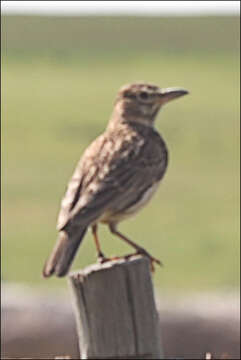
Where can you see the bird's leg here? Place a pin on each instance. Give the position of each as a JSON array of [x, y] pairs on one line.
[[100, 255], [139, 249]]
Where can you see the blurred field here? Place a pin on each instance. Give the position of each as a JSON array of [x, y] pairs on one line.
[[60, 78]]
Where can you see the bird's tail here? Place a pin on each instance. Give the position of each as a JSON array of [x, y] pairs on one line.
[[63, 254]]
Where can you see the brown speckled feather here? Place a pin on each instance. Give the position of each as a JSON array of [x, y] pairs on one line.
[[112, 174]]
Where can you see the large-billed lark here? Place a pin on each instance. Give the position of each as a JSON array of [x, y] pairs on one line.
[[116, 176]]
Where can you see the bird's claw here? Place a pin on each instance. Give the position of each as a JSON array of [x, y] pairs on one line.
[[145, 253], [151, 258], [102, 259]]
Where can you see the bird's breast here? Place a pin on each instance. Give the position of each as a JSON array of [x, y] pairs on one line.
[[116, 216]]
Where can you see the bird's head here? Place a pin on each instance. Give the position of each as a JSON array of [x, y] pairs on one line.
[[140, 102]]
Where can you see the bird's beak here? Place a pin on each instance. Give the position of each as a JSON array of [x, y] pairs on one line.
[[165, 95]]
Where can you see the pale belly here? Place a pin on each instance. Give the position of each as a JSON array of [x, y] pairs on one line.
[[110, 216]]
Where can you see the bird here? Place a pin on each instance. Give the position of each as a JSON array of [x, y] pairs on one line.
[[116, 176]]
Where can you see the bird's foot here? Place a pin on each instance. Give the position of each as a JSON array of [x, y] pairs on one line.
[[102, 259], [143, 252], [153, 260]]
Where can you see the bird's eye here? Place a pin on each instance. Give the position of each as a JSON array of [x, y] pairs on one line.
[[144, 95]]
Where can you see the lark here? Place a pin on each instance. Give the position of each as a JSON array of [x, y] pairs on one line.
[[116, 176]]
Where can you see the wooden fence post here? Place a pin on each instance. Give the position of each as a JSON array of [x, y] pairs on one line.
[[115, 310]]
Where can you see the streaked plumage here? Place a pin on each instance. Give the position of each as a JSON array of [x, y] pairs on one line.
[[117, 174]]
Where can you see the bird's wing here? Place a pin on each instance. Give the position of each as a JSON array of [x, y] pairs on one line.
[[84, 171], [113, 173]]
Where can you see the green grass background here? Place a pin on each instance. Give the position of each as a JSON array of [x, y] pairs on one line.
[[59, 80]]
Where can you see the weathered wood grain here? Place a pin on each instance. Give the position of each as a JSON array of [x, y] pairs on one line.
[[115, 310]]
